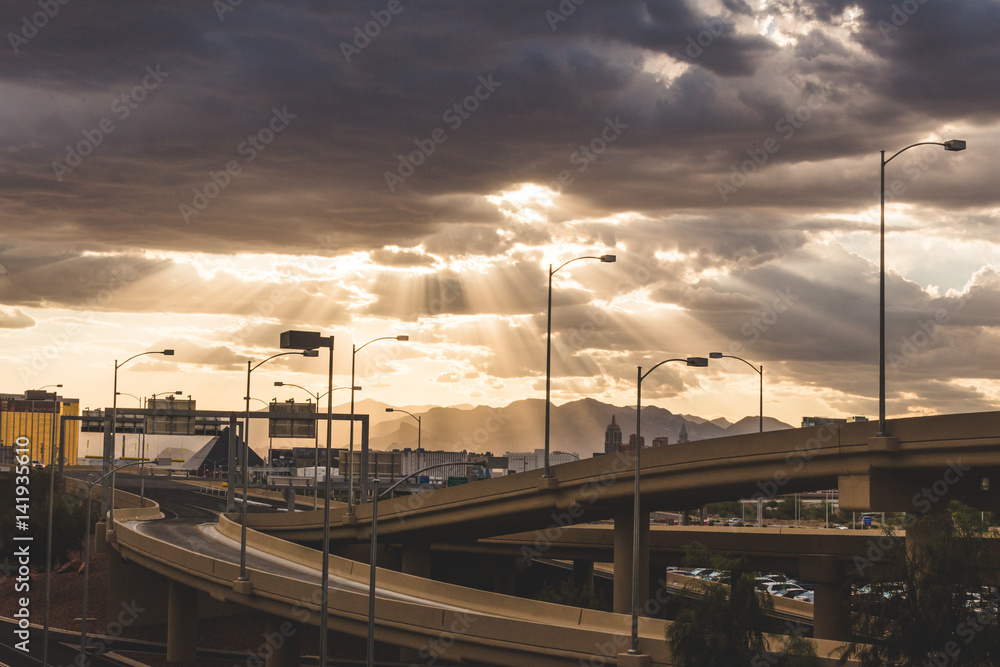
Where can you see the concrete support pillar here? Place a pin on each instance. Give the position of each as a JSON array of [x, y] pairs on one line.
[[290, 498], [623, 560], [832, 603], [182, 623], [284, 638], [583, 575], [416, 559]]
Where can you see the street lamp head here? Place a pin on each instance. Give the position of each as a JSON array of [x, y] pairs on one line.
[[279, 383], [390, 409], [714, 355], [179, 392], [954, 145], [700, 362], [168, 353], [608, 259], [403, 337], [310, 353]]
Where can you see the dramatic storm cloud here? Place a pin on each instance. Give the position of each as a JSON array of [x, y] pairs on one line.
[[206, 175]]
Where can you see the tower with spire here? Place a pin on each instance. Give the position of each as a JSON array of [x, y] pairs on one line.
[[613, 438], [683, 435]]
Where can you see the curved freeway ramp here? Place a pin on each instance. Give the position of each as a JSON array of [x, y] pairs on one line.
[[439, 620]]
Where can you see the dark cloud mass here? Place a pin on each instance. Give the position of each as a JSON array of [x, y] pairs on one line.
[[339, 165]]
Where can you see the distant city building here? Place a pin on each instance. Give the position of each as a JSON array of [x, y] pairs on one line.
[[613, 438], [820, 421], [525, 461], [418, 459], [631, 443], [683, 435], [34, 415], [387, 466], [662, 441]]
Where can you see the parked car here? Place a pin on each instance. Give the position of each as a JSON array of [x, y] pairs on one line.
[[807, 596], [792, 592], [775, 588]]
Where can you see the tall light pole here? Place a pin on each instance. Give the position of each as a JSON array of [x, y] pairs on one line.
[[417, 417], [350, 468], [48, 542], [246, 446], [951, 145], [548, 349], [311, 341], [699, 362], [86, 556], [114, 412], [760, 371], [141, 404], [317, 396]]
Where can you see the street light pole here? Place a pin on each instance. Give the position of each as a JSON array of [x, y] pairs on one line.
[[114, 411], [760, 371], [48, 543], [246, 446], [548, 351], [91, 482], [350, 468], [951, 145], [699, 362], [317, 396], [412, 415], [310, 341]]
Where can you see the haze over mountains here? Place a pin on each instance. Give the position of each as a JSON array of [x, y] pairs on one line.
[[576, 427]]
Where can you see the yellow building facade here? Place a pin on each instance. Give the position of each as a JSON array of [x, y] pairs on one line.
[[37, 420]]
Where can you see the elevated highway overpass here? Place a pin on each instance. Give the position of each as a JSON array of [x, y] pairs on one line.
[[925, 462]]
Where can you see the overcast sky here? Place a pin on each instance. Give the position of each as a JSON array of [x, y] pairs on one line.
[[204, 175]]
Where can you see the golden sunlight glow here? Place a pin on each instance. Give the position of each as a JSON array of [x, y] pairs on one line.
[[665, 68], [526, 203]]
